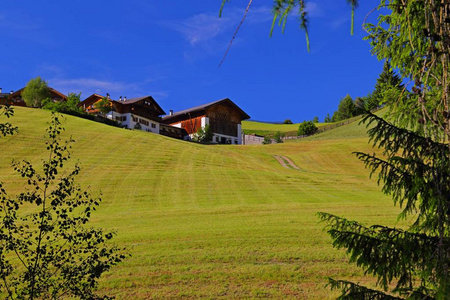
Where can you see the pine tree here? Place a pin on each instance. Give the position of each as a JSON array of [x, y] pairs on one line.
[[388, 88], [415, 171]]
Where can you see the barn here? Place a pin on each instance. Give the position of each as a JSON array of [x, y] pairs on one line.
[[223, 116]]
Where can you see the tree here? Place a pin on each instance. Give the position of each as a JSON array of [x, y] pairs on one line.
[[327, 118], [278, 137], [68, 106], [346, 109], [316, 120], [203, 134], [414, 37], [418, 180], [47, 251], [7, 128], [307, 128], [287, 121], [35, 92], [104, 106], [388, 87]]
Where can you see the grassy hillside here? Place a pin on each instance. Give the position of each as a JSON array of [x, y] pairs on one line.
[[214, 221], [260, 128]]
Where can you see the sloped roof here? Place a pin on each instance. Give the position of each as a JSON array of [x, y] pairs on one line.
[[52, 90], [135, 100], [244, 115]]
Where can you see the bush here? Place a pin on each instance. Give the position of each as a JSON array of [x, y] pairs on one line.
[[203, 134], [267, 140], [278, 137], [307, 128], [287, 121], [64, 106]]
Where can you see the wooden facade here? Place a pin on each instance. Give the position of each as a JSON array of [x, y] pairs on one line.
[[223, 117], [145, 107], [192, 125], [88, 104]]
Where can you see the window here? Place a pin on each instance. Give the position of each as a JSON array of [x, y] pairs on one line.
[[143, 122], [153, 125], [135, 119]]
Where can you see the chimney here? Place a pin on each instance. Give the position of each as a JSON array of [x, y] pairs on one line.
[[11, 92], [0, 90], [120, 98], [171, 112], [107, 96], [125, 98]]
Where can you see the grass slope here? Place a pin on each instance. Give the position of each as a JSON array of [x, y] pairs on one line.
[[214, 221], [259, 128]]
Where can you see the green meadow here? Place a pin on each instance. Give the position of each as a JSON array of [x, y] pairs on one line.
[[214, 221], [261, 128]]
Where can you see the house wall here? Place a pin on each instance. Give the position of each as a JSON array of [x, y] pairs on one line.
[[192, 125], [224, 120], [129, 120]]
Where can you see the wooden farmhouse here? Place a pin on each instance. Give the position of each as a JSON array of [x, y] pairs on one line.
[[4, 97], [15, 98], [223, 116], [136, 113]]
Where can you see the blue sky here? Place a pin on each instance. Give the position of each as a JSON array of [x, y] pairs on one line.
[[171, 50]]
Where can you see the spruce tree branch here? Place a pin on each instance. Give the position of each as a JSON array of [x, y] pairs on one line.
[[235, 33]]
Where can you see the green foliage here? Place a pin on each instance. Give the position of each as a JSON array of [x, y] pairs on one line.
[[71, 105], [316, 120], [287, 121], [282, 9], [415, 171], [307, 128], [388, 88], [103, 106], [278, 137], [47, 250], [7, 128], [267, 140], [203, 134], [35, 92], [414, 38], [327, 119], [346, 110]]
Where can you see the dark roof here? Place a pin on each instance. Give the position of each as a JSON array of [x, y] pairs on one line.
[[205, 106], [52, 90], [135, 100]]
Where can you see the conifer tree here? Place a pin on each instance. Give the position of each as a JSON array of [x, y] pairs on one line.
[[414, 37], [388, 88]]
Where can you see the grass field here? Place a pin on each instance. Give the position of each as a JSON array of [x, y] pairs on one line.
[[260, 128], [215, 221]]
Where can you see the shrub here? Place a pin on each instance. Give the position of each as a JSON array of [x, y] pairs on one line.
[[267, 140], [307, 128], [203, 134], [278, 137], [287, 121]]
